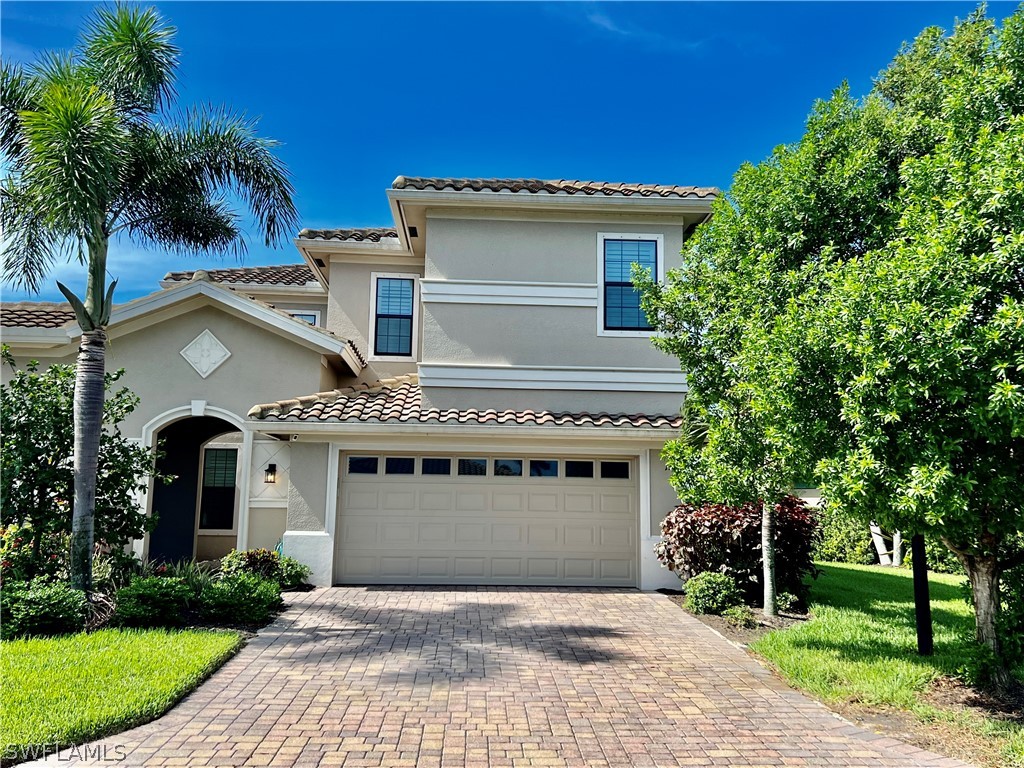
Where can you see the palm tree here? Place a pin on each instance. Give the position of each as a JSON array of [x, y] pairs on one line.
[[90, 153]]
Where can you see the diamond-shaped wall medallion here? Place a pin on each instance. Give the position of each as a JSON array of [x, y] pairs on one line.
[[205, 353]]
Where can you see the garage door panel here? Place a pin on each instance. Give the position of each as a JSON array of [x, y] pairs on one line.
[[471, 502], [506, 502], [435, 500], [399, 501], [506, 533], [471, 567], [470, 533], [399, 529], [580, 502]]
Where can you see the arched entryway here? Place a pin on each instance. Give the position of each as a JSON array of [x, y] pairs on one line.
[[198, 512]]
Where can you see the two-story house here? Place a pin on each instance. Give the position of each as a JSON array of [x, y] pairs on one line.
[[469, 397]]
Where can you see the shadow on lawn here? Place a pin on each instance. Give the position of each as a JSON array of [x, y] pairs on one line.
[[887, 599]]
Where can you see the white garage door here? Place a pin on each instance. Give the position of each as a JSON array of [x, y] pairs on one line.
[[446, 519]]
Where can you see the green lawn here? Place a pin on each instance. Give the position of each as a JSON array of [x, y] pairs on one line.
[[71, 689], [861, 646]]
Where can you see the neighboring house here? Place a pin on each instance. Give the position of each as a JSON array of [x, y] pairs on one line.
[[470, 397]]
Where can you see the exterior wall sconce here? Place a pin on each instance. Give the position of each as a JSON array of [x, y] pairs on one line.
[[270, 474]]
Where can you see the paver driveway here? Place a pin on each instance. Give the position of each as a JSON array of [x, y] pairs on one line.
[[498, 677]]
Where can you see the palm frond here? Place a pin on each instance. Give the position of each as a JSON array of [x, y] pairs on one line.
[[29, 246], [74, 143], [131, 53], [187, 223], [225, 153], [17, 93]]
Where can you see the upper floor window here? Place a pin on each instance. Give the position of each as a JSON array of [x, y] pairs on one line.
[[621, 314], [310, 316], [393, 315]]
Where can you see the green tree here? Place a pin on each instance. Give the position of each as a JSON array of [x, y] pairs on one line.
[[927, 332], [92, 153], [36, 462], [852, 312]]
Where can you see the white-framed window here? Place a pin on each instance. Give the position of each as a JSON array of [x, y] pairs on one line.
[[619, 312], [218, 492], [394, 305], [311, 316]]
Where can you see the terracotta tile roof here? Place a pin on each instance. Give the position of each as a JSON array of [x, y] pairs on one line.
[[399, 400], [278, 274], [553, 187], [363, 234], [35, 314]]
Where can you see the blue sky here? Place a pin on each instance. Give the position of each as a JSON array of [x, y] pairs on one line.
[[677, 93]]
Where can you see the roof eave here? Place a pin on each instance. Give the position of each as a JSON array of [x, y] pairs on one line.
[[348, 428], [562, 201]]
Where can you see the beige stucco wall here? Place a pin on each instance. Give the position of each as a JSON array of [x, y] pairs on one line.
[[348, 314], [547, 337], [573, 401], [663, 496], [307, 487], [263, 366], [266, 526], [542, 251]]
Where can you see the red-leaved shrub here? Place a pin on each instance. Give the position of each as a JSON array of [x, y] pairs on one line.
[[726, 539]]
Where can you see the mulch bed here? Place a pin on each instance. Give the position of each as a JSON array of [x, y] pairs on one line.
[[730, 631]]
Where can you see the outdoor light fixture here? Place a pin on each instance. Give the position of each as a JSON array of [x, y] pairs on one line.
[[270, 474]]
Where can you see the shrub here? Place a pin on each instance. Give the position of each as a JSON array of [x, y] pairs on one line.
[[196, 576], [26, 554], [152, 601], [711, 593], [240, 598], [293, 573], [842, 538], [264, 563], [727, 540], [1011, 618], [740, 616], [786, 602], [41, 607]]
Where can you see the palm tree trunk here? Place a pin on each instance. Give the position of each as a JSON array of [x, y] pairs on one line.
[[88, 425], [768, 556], [89, 394]]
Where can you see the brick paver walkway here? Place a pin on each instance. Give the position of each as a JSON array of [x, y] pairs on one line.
[[497, 677]]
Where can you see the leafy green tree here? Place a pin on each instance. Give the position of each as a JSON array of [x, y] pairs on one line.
[[852, 312], [92, 153], [927, 333], [36, 462]]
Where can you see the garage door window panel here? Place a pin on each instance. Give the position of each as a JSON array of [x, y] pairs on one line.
[[508, 467], [615, 470], [436, 466], [543, 467], [363, 465], [399, 465], [579, 468], [473, 467]]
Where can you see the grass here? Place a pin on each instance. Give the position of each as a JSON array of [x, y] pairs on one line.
[[861, 648], [68, 690]]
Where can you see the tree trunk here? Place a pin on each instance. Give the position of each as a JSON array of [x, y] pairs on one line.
[[89, 376], [768, 556], [983, 572]]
